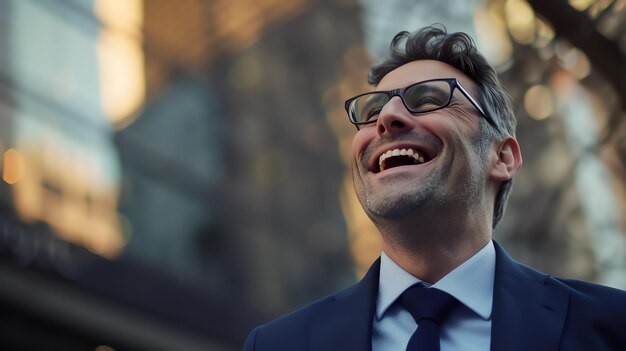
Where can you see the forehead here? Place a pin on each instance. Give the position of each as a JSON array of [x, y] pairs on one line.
[[417, 71]]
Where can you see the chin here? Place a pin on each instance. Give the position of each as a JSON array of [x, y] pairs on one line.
[[396, 207]]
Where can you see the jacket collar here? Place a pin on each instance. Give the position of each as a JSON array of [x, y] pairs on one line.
[[529, 307], [529, 311]]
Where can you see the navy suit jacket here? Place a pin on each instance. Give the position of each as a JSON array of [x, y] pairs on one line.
[[532, 311]]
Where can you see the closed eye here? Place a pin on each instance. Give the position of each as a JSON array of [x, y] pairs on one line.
[[430, 100], [373, 113]]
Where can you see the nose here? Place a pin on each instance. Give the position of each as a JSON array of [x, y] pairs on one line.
[[394, 118]]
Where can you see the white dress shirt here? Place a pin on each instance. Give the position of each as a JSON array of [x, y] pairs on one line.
[[468, 327]]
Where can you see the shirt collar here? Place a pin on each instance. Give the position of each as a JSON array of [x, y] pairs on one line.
[[471, 283]]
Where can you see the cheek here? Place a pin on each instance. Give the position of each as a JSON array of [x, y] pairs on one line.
[[360, 142], [464, 122], [447, 122], [460, 134], [458, 127]]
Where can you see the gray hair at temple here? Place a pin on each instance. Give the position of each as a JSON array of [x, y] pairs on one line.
[[459, 51]]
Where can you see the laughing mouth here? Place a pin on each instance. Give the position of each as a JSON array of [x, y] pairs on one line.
[[401, 157]]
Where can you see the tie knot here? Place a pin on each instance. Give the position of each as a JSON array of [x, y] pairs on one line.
[[428, 303]]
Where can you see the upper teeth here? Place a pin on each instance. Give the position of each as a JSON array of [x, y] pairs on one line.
[[399, 152]]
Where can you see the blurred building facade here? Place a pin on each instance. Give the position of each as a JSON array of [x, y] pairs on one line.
[[174, 173], [169, 177]]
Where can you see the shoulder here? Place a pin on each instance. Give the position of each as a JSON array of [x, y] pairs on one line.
[[349, 309], [596, 315], [599, 298], [289, 332], [591, 290], [582, 292]]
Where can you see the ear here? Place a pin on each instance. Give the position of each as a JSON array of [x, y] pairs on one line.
[[507, 161]]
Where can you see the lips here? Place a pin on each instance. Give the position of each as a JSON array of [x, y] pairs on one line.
[[401, 156]]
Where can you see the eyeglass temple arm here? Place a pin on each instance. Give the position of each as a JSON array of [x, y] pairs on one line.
[[476, 105]]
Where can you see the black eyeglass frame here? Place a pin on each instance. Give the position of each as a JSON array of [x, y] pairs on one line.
[[453, 82]]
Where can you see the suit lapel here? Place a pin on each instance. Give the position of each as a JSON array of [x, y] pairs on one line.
[[345, 323], [529, 311], [529, 308]]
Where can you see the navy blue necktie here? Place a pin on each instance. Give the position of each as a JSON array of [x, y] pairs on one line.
[[429, 307]]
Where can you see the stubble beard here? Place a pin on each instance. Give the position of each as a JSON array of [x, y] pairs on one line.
[[397, 203], [432, 196]]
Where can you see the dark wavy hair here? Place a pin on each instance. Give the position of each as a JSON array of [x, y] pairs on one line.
[[459, 51]]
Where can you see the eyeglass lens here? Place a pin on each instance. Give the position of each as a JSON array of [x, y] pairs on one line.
[[422, 97]]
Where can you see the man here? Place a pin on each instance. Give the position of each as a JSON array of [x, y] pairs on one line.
[[433, 160]]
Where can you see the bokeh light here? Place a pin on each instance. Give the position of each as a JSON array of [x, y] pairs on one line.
[[13, 167], [573, 60], [581, 5], [520, 19], [539, 102]]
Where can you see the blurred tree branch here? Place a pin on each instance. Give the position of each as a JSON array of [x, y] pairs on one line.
[[580, 30]]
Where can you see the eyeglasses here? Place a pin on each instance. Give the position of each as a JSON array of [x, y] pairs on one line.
[[426, 96]]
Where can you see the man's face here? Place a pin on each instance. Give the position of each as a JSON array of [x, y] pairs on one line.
[[450, 172]]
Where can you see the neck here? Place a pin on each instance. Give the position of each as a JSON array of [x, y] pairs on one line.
[[435, 248]]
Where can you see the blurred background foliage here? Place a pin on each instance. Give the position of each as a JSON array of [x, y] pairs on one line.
[[176, 172]]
